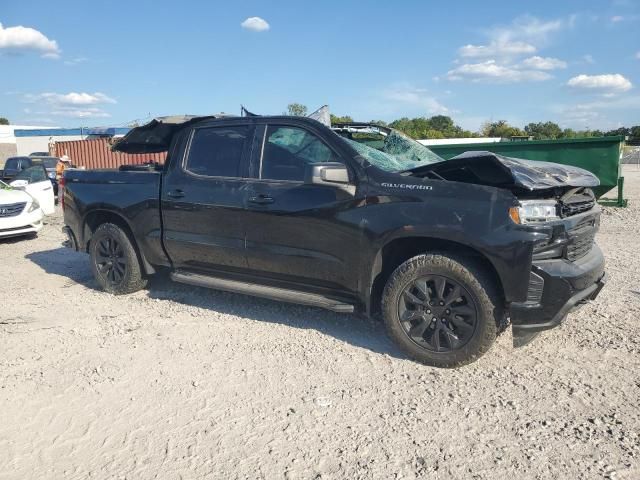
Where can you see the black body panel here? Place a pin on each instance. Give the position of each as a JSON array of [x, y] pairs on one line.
[[330, 240], [131, 196]]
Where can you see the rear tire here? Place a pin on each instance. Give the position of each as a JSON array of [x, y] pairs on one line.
[[114, 261], [442, 310]]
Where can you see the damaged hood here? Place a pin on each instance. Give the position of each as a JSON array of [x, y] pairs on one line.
[[487, 168], [156, 135]]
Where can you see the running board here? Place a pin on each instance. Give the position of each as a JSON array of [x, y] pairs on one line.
[[258, 290]]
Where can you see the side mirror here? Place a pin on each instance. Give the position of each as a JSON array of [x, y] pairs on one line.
[[19, 184], [330, 174]]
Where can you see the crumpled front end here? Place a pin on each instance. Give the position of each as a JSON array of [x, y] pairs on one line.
[[491, 169], [568, 270]]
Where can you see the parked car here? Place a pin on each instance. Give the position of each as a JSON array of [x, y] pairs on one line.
[[289, 209], [13, 166], [49, 164], [24, 202], [39, 154]]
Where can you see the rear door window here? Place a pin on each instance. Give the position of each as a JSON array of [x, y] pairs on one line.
[[218, 151]]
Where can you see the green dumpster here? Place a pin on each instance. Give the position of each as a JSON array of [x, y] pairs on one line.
[[599, 155]]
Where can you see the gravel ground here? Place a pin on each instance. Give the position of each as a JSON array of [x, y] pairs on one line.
[[182, 382]]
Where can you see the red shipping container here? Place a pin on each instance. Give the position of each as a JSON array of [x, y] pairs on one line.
[[96, 153]]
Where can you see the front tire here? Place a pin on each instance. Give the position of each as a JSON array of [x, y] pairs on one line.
[[114, 261], [442, 310]]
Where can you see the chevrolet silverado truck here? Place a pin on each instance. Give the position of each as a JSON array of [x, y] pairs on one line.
[[351, 218]]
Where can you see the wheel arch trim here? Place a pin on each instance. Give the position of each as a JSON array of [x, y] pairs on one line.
[[121, 220], [429, 243]]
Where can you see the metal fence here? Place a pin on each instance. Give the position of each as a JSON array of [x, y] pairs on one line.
[[96, 153], [631, 156]]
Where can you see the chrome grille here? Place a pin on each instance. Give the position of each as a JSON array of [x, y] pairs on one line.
[[12, 210], [578, 202]]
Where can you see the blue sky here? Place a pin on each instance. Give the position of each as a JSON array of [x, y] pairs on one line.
[[106, 63]]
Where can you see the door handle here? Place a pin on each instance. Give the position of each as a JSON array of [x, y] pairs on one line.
[[261, 199], [175, 194]]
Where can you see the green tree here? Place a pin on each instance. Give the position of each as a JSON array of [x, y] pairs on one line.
[[296, 110], [442, 123], [544, 130], [432, 133], [500, 129], [439, 126], [4, 121], [635, 132], [337, 119], [618, 131]]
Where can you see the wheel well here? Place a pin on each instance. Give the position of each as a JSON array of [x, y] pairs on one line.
[[396, 252], [99, 217]]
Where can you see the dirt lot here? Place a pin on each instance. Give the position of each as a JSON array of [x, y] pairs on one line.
[[182, 382]]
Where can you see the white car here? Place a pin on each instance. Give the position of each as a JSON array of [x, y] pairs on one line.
[[24, 202]]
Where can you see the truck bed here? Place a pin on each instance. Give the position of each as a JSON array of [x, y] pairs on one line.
[[131, 194]]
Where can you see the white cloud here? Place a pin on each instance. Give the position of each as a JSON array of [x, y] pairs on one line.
[[72, 104], [617, 18], [20, 39], [638, 55], [522, 37], [597, 114], [505, 45], [75, 61], [580, 115], [544, 63], [416, 97], [530, 29], [606, 84], [496, 49], [72, 112], [72, 98], [255, 24], [588, 59], [493, 72]]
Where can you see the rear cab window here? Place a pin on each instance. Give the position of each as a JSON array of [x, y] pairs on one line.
[[218, 151], [14, 163]]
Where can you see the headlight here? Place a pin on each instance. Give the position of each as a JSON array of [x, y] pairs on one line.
[[534, 211], [34, 206], [52, 175]]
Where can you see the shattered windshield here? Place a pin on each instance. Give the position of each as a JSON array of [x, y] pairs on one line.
[[389, 150]]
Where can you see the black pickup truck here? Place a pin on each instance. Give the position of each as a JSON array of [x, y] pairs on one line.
[[352, 218]]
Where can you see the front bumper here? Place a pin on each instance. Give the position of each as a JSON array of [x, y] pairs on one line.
[[566, 285], [22, 224]]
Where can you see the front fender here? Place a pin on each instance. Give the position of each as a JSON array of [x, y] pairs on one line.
[[456, 217]]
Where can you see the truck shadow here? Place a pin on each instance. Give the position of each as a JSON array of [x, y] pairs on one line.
[[66, 263], [357, 331]]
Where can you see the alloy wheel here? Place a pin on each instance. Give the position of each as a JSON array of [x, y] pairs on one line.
[[110, 260], [437, 313]]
